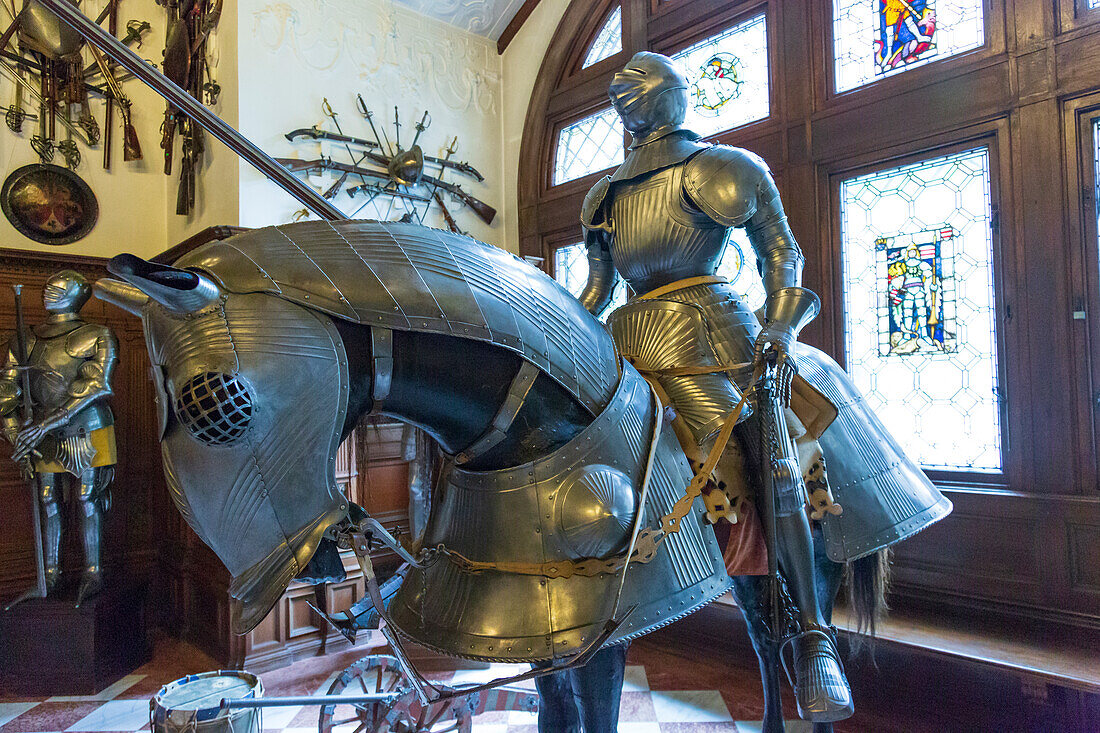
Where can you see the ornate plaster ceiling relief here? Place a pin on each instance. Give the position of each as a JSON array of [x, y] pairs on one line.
[[486, 18]]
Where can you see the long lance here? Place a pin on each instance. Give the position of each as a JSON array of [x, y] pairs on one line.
[[181, 100], [28, 416]]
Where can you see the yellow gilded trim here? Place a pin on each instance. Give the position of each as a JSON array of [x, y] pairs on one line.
[[103, 443], [681, 285]]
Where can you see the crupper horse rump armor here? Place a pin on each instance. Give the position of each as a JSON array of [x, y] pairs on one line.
[[660, 222]]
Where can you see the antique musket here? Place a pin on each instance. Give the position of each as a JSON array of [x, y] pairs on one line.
[[484, 212], [316, 133]]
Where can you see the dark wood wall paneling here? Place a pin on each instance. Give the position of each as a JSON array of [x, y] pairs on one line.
[[1027, 541]]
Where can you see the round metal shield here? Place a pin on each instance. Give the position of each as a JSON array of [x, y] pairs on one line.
[[49, 204]]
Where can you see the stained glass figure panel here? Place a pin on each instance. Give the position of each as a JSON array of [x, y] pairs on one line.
[[876, 38], [728, 77], [608, 42], [589, 145], [920, 333], [571, 271]]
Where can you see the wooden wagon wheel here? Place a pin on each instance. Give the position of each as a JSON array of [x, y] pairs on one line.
[[382, 673]]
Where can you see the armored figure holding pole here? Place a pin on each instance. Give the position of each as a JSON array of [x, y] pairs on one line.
[[661, 222], [54, 412]]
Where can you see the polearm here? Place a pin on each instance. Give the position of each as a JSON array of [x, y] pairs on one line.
[[181, 100], [28, 417]]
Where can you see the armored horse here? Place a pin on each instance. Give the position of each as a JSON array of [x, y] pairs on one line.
[[567, 515]]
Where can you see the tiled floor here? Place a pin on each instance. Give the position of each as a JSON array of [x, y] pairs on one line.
[[666, 691]]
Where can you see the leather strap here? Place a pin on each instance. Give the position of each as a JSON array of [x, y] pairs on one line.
[[681, 285], [381, 344], [498, 428], [648, 540]]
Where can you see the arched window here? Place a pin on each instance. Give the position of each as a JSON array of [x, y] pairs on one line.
[[938, 162], [608, 42]]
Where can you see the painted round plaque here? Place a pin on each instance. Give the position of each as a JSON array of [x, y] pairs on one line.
[[49, 204]]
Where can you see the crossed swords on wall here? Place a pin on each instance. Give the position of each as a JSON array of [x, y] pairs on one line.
[[399, 173]]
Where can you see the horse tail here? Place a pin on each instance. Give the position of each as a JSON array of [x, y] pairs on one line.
[[868, 582]]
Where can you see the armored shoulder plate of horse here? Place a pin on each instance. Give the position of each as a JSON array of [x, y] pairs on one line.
[[425, 280], [581, 502], [886, 497], [590, 209], [660, 336], [723, 182]]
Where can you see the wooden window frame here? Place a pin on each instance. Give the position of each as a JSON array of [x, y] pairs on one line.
[[1081, 114], [676, 40], [991, 136], [884, 88], [1074, 14]]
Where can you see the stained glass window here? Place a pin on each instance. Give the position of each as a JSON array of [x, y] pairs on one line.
[[589, 145], [608, 42], [571, 270], [1096, 164], [875, 38], [728, 74], [1094, 4], [919, 313], [739, 266]]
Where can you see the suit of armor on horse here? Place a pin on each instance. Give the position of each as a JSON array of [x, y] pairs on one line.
[[661, 222]]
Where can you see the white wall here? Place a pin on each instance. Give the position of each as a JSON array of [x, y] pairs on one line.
[[295, 54], [131, 195], [520, 65]]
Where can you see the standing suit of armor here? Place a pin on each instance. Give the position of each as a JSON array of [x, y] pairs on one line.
[[661, 222], [72, 428]]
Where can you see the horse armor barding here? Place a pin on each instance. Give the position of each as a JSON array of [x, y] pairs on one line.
[[239, 336]]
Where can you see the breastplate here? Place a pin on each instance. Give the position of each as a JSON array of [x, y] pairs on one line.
[[52, 371], [658, 239]]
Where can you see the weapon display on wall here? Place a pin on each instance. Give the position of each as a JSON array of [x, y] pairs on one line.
[[398, 173], [45, 58], [190, 23]]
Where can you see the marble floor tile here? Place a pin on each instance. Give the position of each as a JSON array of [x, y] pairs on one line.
[[116, 715], [690, 706], [11, 710], [634, 679], [108, 693]]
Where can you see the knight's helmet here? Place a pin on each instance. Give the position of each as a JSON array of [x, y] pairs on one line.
[[650, 95], [253, 381], [66, 292]]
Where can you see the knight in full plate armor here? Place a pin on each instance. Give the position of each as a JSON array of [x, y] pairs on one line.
[[69, 362], [661, 222]]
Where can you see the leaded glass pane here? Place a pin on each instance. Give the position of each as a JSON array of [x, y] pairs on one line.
[[571, 271], [917, 251], [739, 266], [608, 42], [1094, 4], [589, 145], [874, 38], [728, 74]]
